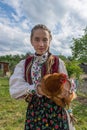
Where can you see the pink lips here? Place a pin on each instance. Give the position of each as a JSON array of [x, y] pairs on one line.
[[41, 49]]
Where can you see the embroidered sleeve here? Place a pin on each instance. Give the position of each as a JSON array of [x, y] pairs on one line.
[[18, 86]]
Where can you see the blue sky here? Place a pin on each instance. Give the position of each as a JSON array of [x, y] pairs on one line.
[[66, 19]]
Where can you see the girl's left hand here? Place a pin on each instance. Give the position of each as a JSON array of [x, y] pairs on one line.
[[39, 90]]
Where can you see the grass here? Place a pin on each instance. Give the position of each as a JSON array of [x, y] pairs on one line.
[[80, 110], [12, 112]]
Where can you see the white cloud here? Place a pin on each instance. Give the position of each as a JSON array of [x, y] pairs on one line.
[[14, 4], [46, 12], [14, 40], [66, 19]]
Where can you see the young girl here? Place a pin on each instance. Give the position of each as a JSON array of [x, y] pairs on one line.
[[42, 113]]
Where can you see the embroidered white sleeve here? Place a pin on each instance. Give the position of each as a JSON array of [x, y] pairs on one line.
[[62, 68], [18, 85]]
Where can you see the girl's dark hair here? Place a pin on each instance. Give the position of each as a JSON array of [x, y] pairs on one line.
[[40, 26]]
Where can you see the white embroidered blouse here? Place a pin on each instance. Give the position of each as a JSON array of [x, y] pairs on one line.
[[18, 85]]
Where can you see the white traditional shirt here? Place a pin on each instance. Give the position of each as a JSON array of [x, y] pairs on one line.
[[18, 85]]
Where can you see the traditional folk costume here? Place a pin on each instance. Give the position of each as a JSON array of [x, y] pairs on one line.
[[42, 113]]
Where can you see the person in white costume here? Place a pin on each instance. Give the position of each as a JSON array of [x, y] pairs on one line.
[[42, 113]]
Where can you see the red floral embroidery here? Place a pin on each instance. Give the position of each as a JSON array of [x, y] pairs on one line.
[[56, 127], [28, 121], [32, 113], [44, 120], [51, 109]]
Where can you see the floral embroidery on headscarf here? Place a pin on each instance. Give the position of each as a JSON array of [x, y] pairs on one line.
[[36, 67]]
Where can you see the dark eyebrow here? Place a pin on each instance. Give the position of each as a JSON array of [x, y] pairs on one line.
[[36, 37], [45, 38]]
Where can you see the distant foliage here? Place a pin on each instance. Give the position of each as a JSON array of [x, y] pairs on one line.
[[13, 60], [73, 69], [79, 48], [62, 57], [72, 66]]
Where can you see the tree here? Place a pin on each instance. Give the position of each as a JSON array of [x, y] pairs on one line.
[[62, 57], [73, 69], [79, 48]]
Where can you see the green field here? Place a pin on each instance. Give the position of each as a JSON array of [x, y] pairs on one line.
[[12, 112]]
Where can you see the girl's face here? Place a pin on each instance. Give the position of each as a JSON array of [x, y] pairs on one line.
[[40, 41]]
